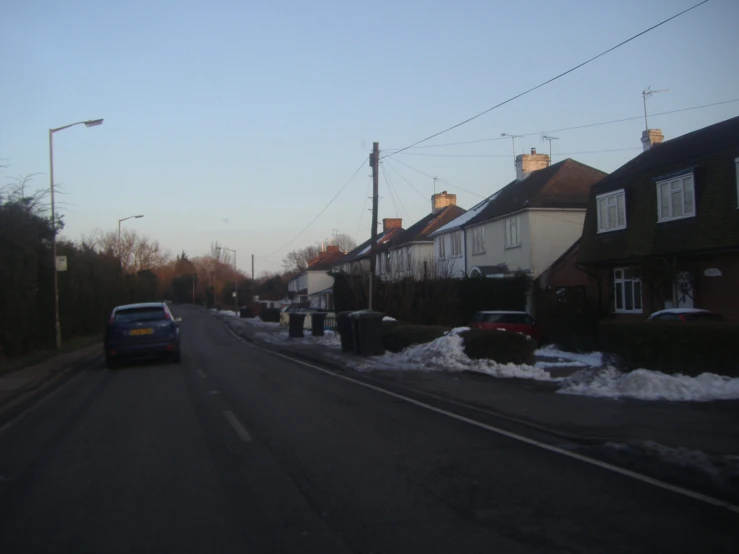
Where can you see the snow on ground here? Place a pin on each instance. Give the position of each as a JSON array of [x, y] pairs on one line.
[[329, 339], [645, 384], [257, 322], [227, 312], [447, 354], [388, 318], [593, 359]]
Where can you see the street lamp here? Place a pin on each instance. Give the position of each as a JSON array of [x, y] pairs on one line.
[[88, 123], [120, 257], [236, 277]]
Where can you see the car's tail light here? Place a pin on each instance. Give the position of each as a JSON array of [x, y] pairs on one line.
[[166, 315], [112, 317]]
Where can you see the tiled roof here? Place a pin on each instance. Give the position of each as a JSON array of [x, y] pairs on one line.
[[463, 219], [422, 230], [325, 261], [363, 250], [710, 153], [563, 185]]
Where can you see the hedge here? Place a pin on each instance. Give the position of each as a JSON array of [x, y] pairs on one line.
[[673, 347], [397, 336], [501, 346]]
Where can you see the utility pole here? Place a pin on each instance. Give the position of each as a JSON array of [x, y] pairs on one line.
[[375, 165], [252, 267]]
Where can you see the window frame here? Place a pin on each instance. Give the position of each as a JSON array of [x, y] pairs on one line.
[[606, 196], [632, 281], [478, 240], [512, 222], [456, 239], [669, 181], [442, 247]]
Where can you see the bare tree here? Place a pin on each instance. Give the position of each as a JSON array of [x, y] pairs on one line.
[[134, 251], [298, 260], [344, 242]]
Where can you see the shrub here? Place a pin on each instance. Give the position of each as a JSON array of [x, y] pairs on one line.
[[501, 346], [673, 347], [397, 336], [271, 314]]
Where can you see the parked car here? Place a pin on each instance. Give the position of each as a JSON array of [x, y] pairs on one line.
[[518, 322], [685, 314], [141, 330]]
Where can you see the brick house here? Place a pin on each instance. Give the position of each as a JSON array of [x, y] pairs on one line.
[[662, 231]]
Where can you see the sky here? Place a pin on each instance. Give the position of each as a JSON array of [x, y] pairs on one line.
[[238, 121]]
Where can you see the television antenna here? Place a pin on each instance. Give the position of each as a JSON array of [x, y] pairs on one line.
[[513, 140], [550, 139], [647, 93]]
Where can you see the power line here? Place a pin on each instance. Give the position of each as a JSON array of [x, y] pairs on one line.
[[404, 179], [511, 99], [364, 203], [390, 193], [364, 160], [598, 151], [575, 127], [439, 179], [394, 190], [508, 156]]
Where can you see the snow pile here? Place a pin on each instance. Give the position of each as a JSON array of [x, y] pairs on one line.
[[329, 340], [257, 322], [388, 318], [447, 354], [645, 384], [593, 359], [228, 312]]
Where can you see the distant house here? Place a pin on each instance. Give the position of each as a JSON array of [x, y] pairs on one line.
[[663, 229], [530, 222], [410, 254], [313, 286], [357, 261]]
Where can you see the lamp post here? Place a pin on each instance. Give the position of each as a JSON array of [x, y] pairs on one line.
[[236, 278], [88, 123], [120, 255]]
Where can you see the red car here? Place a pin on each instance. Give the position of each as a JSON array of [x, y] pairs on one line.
[[517, 322]]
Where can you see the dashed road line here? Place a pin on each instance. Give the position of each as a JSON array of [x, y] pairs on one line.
[[241, 432]]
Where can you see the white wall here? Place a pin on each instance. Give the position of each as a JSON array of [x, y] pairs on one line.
[[298, 283], [449, 266], [517, 258], [318, 281], [552, 232], [420, 253]]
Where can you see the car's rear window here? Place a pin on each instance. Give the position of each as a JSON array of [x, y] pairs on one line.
[[702, 317], [481, 317], [139, 314]]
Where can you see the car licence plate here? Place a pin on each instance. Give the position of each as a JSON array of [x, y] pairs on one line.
[[141, 332]]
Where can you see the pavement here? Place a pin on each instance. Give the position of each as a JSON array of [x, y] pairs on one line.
[[243, 449]]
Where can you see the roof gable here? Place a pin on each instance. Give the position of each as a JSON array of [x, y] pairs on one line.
[[564, 185], [422, 229]]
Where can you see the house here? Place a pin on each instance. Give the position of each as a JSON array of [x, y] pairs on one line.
[[357, 261], [663, 230], [313, 286], [530, 222], [410, 254]]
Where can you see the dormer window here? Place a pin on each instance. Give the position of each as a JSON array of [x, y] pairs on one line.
[[676, 198]]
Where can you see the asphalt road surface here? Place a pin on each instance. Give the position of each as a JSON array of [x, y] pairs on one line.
[[240, 450]]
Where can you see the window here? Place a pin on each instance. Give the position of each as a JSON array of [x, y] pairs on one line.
[[408, 258], [611, 211], [627, 290], [478, 240], [512, 238], [457, 244], [442, 247], [387, 262], [676, 198]]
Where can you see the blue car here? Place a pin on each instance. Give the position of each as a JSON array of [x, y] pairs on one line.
[[142, 330]]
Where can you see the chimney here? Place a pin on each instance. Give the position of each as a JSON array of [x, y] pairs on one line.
[[526, 164], [441, 201], [651, 137], [332, 248], [391, 223]]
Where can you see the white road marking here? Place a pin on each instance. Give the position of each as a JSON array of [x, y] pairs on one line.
[[38, 404], [585, 459], [237, 427]]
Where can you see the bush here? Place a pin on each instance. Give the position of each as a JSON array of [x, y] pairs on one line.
[[501, 346], [271, 314], [397, 336], [673, 347]]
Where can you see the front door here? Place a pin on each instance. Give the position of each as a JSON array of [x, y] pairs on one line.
[[683, 292]]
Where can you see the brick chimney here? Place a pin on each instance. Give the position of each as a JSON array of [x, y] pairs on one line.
[[391, 223], [332, 248], [526, 164], [651, 137], [442, 200]]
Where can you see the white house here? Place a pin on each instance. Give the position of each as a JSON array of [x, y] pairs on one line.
[[530, 222], [314, 285], [410, 254], [357, 261]]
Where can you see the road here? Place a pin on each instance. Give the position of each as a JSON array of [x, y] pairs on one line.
[[240, 450]]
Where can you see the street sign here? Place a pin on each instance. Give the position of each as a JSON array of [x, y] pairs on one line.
[[61, 263]]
